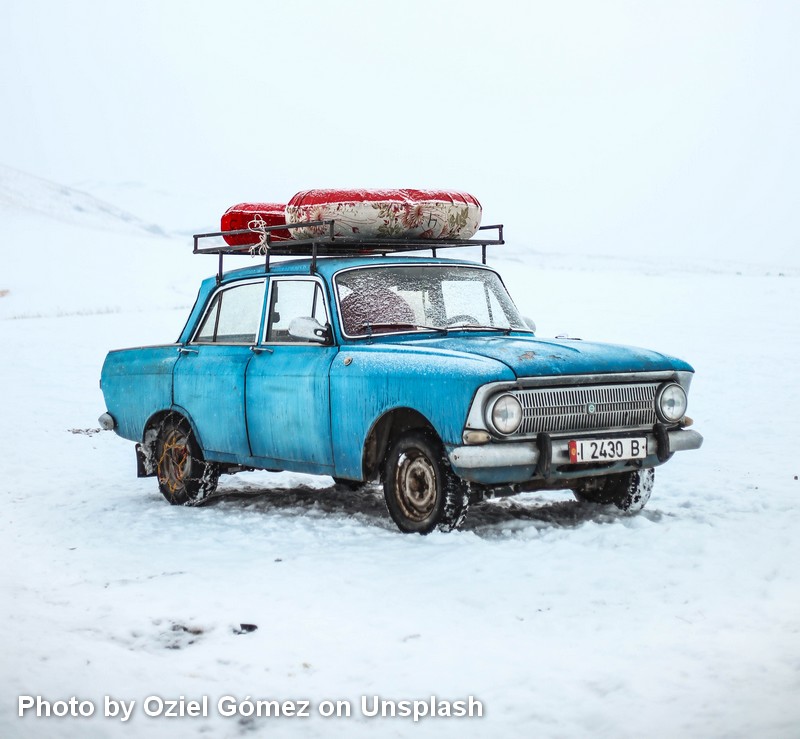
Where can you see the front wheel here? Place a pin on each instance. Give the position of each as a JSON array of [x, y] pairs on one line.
[[184, 477], [422, 492], [628, 491]]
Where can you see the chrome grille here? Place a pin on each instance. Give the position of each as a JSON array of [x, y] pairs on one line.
[[555, 410]]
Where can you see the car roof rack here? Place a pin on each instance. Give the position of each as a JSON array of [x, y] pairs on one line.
[[327, 245]]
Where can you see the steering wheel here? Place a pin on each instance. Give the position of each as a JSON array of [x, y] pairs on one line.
[[464, 318]]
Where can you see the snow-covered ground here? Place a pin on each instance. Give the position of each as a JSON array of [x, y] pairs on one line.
[[562, 620]]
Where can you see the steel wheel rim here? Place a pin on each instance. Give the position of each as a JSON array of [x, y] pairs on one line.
[[416, 486]]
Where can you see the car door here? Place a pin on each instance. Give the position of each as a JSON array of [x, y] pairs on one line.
[[209, 376], [288, 386]]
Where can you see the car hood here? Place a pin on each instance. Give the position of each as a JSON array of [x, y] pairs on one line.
[[530, 356]]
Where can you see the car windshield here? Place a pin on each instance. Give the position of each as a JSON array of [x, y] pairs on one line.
[[424, 297]]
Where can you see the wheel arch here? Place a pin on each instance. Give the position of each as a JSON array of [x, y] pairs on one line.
[[155, 420], [385, 429]]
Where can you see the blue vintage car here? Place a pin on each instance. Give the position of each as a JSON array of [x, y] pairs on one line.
[[368, 361]]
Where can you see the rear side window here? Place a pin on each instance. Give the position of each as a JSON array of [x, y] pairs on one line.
[[234, 316]]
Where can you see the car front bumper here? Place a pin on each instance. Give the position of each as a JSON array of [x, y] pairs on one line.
[[547, 458]]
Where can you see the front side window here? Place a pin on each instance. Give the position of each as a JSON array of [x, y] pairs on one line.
[[290, 299], [415, 297], [234, 315]]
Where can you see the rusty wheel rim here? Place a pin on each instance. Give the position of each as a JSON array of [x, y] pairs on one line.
[[173, 464], [416, 486]]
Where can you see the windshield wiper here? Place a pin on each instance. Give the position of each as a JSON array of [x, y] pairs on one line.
[[438, 329], [475, 327], [402, 326]]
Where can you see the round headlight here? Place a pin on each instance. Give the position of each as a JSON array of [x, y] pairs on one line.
[[505, 414], [671, 403]]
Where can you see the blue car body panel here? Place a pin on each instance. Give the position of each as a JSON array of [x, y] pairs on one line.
[[209, 382], [289, 407], [436, 383], [529, 356], [137, 383]]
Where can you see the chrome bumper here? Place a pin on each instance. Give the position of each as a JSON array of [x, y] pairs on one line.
[[521, 458]]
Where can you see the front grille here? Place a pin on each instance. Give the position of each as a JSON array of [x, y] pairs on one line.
[[555, 410]]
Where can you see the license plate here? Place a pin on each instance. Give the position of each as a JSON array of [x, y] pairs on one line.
[[607, 450]]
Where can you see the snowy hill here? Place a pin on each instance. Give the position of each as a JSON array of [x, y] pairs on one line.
[[22, 192], [67, 252], [563, 620]]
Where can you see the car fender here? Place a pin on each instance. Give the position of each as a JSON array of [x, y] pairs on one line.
[[436, 384]]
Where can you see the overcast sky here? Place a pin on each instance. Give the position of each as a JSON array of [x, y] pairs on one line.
[[612, 127]]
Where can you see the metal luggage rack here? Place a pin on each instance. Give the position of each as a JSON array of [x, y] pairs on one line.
[[328, 245]]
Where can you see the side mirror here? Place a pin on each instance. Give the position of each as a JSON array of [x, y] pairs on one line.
[[530, 323], [306, 328]]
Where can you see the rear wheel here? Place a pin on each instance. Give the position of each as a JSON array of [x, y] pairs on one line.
[[422, 492], [184, 477], [628, 491]]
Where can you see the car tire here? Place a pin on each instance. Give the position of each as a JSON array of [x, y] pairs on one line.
[[184, 477], [628, 491], [422, 492]]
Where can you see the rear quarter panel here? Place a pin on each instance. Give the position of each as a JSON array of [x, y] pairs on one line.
[[137, 383]]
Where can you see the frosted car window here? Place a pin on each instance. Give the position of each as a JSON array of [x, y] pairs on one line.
[[209, 327], [234, 315], [399, 298], [466, 298], [292, 299]]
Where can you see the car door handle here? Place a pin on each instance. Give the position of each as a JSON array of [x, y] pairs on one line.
[[260, 349], [186, 350]]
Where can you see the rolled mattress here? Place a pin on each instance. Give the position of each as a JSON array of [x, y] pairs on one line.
[[252, 216], [386, 214]]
